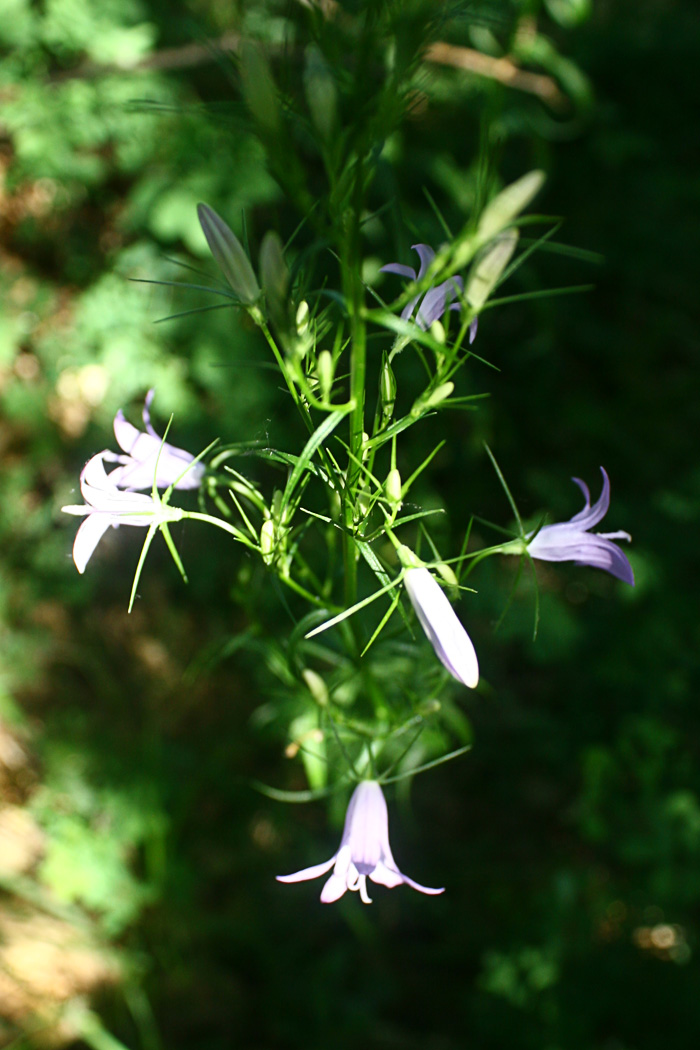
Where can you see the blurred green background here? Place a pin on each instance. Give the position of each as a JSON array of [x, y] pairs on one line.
[[136, 859]]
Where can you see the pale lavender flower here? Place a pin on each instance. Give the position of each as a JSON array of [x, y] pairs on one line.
[[144, 451], [364, 851], [451, 643], [105, 506], [436, 300], [571, 540]]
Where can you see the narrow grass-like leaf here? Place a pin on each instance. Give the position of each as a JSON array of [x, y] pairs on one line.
[[504, 485], [317, 438], [428, 765], [383, 622]]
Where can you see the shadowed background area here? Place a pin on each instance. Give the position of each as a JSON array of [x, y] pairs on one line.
[[137, 860]]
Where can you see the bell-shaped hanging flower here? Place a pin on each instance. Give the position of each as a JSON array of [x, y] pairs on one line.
[[364, 851], [436, 300], [105, 506], [571, 540], [148, 457], [451, 643]]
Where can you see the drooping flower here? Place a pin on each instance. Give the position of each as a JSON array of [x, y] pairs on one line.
[[364, 851], [571, 540], [451, 643], [436, 300], [144, 451], [105, 506]]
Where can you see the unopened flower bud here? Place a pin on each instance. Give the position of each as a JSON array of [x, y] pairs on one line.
[[429, 707], [447, 574], [489, 266], [229, 255], [316, 686], [258, 87], [437, 331], [324, 371], [302, 318], [275, 280], [392, 488], [321, 94], [508, 204], [387, 384], [433, 398], [267, 540]]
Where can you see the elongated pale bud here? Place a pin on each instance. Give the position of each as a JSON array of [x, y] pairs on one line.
[[437, 330], [229, 255], [316, 686], [489, 266], [275, 280], [430, 400], [447, 574], [392, 488], [302, 317], [387, 384], [508, 204], [324, 371], [267, 541]]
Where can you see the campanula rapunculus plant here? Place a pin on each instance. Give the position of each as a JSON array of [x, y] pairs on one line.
[[105, 506], [149, 458], [572, 541], [331, 501], [435, 301], [364, 851]]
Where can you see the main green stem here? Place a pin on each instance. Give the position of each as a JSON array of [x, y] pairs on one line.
[[354, 297]]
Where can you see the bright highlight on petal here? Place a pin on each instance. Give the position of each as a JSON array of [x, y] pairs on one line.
[[571, 540], [364, 851]]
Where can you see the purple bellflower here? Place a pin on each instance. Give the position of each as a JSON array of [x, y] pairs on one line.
[[364, 851], [144, 451], [436, 300], [571, 540], [451, 643], [105, 506]]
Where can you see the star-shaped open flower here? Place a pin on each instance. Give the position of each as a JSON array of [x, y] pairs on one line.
[[148, 457], [572, 540], [364, 851], [436, 300], [107, 506]]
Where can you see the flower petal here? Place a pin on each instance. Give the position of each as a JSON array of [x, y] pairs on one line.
[[591, 515], [308, 873], [334, 889], [145, 450], [431, 890], [400, 269], [583, 548], [426, 256], [87, 537], [385, 876]]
